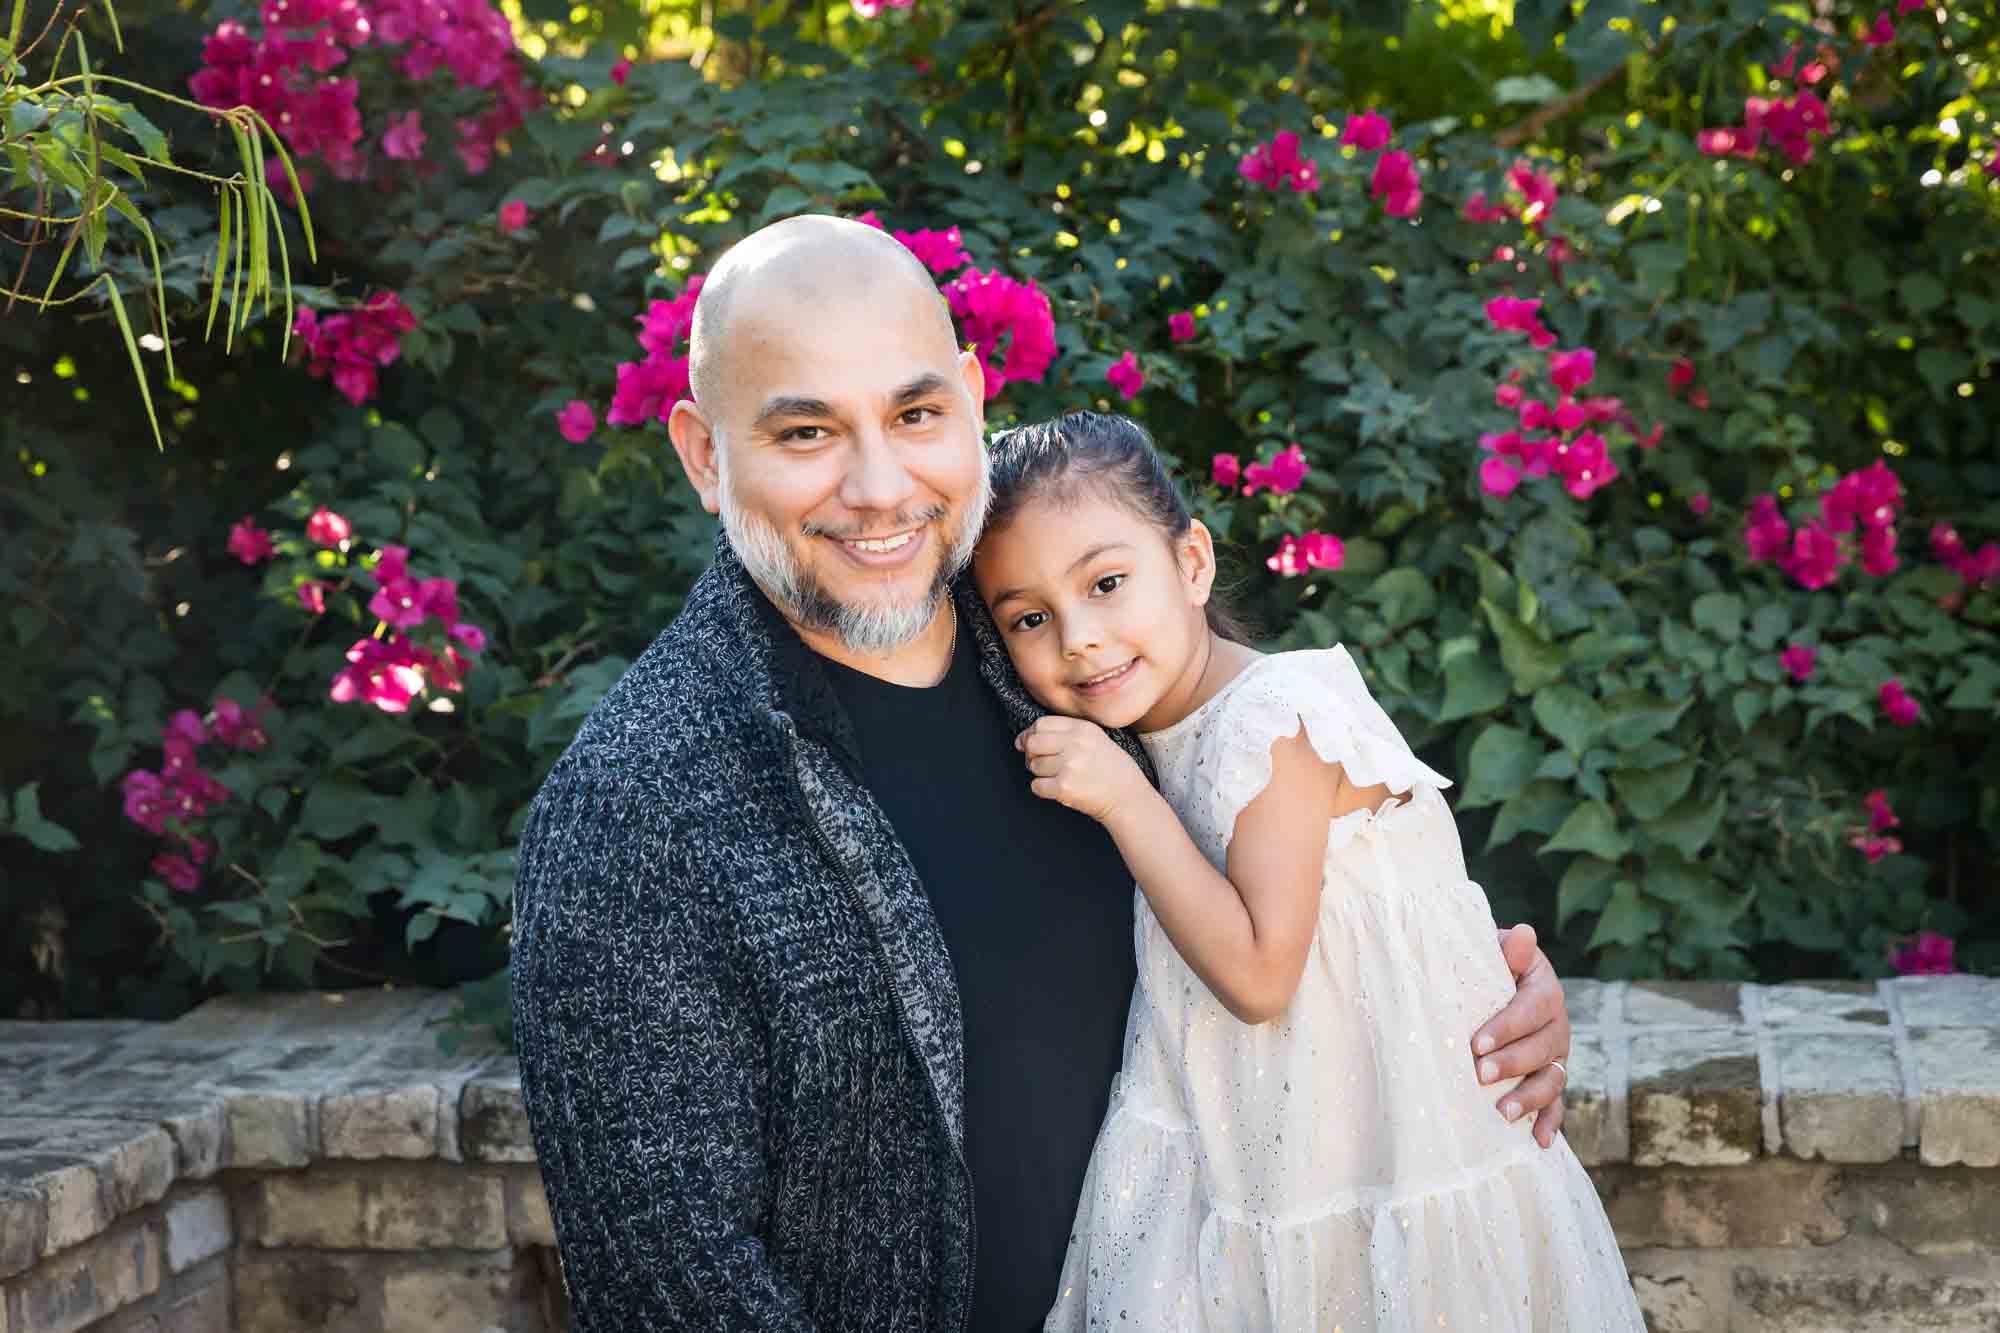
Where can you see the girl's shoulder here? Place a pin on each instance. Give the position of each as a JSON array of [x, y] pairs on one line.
[[1272, 698]]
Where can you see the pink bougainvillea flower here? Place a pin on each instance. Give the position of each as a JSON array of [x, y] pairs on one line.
[[665, 323], [469, 636], [1226, 470], [1283, 474], [1992, 167], [1723, 142], [404, 140], [1799, 659], [513, 216], [1585, 465], [1507, 395], [1396, 185], [1278, 165], [186, 726], [1680, 375], [941, 251], [1288, 561], [990, 308], [1477, 209], [1570, 371], [1880, 817], [312, 596], [1699, 503], [1905, 8], [250, 543], [1930, 954], [327, 528], [1878, 550], [396, 603], [647, 390], [1815, 557], [179, 873], [1571, 415], [1497, 476], [238, 727], [1897, 703], [1514, 313], [1323, 550], [1875, 848], [1651, 438], [146, 800], [1538, 192], [1766, 534], [868, 9], [387, 675], [1537, 415], [1180, 325], [1882, 31], [439, 600], [620, 72], [1367, 131], [576, 421], [1126, 377]]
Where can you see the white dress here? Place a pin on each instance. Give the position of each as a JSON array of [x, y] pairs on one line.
[[1339, 1168]]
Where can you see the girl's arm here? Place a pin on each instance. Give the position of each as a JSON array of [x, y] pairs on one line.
[[1245, 935]]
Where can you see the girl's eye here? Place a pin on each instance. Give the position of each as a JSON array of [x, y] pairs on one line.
[[1108, 584], [1032, 620]]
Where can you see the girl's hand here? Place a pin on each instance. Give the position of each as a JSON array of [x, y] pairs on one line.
[[1075, 763]]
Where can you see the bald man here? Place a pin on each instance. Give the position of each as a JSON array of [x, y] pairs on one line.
[[818, 1007]]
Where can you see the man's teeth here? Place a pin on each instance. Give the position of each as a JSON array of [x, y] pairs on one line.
[[884, 543]]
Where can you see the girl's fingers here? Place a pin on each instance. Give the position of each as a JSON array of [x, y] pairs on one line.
[[1044, 788], [1539, 1095]]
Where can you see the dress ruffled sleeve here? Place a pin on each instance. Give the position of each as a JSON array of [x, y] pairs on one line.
[[1324, 691]]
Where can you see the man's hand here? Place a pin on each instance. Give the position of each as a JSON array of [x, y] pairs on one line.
[[1525, 1037], [1077, 764]]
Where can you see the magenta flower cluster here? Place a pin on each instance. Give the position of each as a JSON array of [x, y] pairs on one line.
[[352, 345], [1565, 448], [1009, 323], [171, 803], [1814, 553], [648, 389], [1278, 165], [390, 669]]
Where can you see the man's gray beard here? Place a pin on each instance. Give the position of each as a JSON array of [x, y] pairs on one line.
[[871, 630]]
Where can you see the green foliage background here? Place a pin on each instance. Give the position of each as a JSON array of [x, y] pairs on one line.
[[1637, 775]]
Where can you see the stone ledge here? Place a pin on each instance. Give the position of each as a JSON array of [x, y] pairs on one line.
[[98, 1120]]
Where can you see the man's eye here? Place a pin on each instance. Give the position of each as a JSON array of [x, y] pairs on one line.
[[1032, 620], [917, 416], [1108, 584], [803, 434]]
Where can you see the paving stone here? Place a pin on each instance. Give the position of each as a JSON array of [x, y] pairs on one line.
[[1673, 1305], [367, 1122], [1929, 1212], [1949, 1002], [468, 1295], [198, 1139], [447, 1209], [1861, 1288], [205, 1311], [198, 1227], [71, 1031], [492, 1119], [1682, 1004], [1695, 1097], [1585, 999], [309, 1210], [1586, 1099], [528, 1220], [313, 1015], [268, 1129], [24, 1221], [1773, 1204], [1840, 1096], [87, 1172], [1849, 1006], [285, 1291], [89, 1282], [1958, 1078]]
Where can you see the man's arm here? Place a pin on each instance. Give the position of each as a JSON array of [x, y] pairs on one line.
[[1527, 1036], [642, 1072]]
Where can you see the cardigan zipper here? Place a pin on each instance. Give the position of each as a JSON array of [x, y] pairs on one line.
[[826, 848]]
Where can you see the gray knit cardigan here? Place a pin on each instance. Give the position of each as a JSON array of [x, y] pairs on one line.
[[739, 1030]]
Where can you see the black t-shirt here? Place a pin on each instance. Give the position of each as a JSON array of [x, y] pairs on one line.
[[1036, 909]]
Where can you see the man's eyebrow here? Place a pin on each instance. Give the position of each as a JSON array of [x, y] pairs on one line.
[[923, 386], [786, 405], [1074, 565]]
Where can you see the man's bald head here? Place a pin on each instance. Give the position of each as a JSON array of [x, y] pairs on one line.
[[786, 272]]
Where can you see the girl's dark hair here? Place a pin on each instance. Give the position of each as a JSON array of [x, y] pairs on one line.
[[1110, 455]]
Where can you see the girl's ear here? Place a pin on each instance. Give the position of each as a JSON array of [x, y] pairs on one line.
[[1195, 552]]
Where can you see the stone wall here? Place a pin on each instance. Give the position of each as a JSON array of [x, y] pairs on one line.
[[1804, 1157]]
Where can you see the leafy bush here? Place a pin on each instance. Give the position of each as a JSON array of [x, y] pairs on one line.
[[1585, 374]]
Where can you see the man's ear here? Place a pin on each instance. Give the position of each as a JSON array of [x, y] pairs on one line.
[[695, 442], [973, 372], [1195, 549]]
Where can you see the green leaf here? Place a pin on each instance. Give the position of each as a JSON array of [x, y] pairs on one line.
[[1569, 715], [1404, 597], [1540, 807], [1529, 89], [1628, 918], [334, 810], [1922, 293], [1473, 684], [1593, 828], [1634, 717], [1530, 660], [1502, 761], [1689, 826], [1721, 614], [1649, 793], [1749, 704], [1585, 887]]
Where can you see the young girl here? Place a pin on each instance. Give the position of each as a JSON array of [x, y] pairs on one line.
[[1297, 1139]]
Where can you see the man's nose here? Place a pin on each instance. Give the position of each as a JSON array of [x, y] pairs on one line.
[[876, 476]]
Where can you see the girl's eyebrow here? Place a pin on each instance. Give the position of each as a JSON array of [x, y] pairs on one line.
[[1074, 565]]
